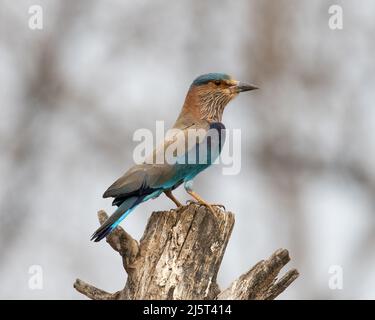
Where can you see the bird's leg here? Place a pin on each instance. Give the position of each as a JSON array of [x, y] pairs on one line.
[[170, 195], [201, 201], [188, 187], [212, 204]]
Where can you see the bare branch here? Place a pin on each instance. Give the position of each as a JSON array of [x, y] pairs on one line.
[[92, 292], [259, 282], [179, 257], [122, 242], [282, 284]]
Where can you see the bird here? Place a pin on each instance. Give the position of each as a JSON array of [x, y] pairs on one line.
[[205, 101]]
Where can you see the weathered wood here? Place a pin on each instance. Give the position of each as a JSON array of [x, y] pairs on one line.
[[260, 282], [121, 242], [179, 257]]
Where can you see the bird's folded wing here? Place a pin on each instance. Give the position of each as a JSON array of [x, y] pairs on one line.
[[159, 169], [139, 179], [177, 143]]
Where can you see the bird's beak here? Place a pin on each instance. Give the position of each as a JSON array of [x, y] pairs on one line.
[[241, 87]]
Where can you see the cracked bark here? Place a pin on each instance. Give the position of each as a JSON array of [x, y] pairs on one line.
[[179, 257]]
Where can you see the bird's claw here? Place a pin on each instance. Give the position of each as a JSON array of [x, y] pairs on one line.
[[202, 204], [218, 205], [177, 209], [206, 205]]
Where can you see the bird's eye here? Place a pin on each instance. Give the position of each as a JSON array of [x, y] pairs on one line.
[[217, 82]]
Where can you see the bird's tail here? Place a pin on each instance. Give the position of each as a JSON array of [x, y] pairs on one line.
[[121, 212]]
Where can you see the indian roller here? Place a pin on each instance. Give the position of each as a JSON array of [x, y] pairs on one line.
[[202, 110]]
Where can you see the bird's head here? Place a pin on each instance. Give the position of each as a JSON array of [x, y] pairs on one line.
[[214, 91]]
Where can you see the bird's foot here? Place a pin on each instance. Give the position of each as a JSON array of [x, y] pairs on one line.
[[218, 205], [178, 205], [169, 194], [205, 204], [179, 208]]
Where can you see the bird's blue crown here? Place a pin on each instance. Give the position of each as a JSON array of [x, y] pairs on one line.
[[205, 78]]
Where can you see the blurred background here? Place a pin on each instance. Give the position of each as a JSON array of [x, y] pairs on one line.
[[73, 94]]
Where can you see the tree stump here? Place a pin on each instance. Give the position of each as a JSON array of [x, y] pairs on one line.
[[179, 257]]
